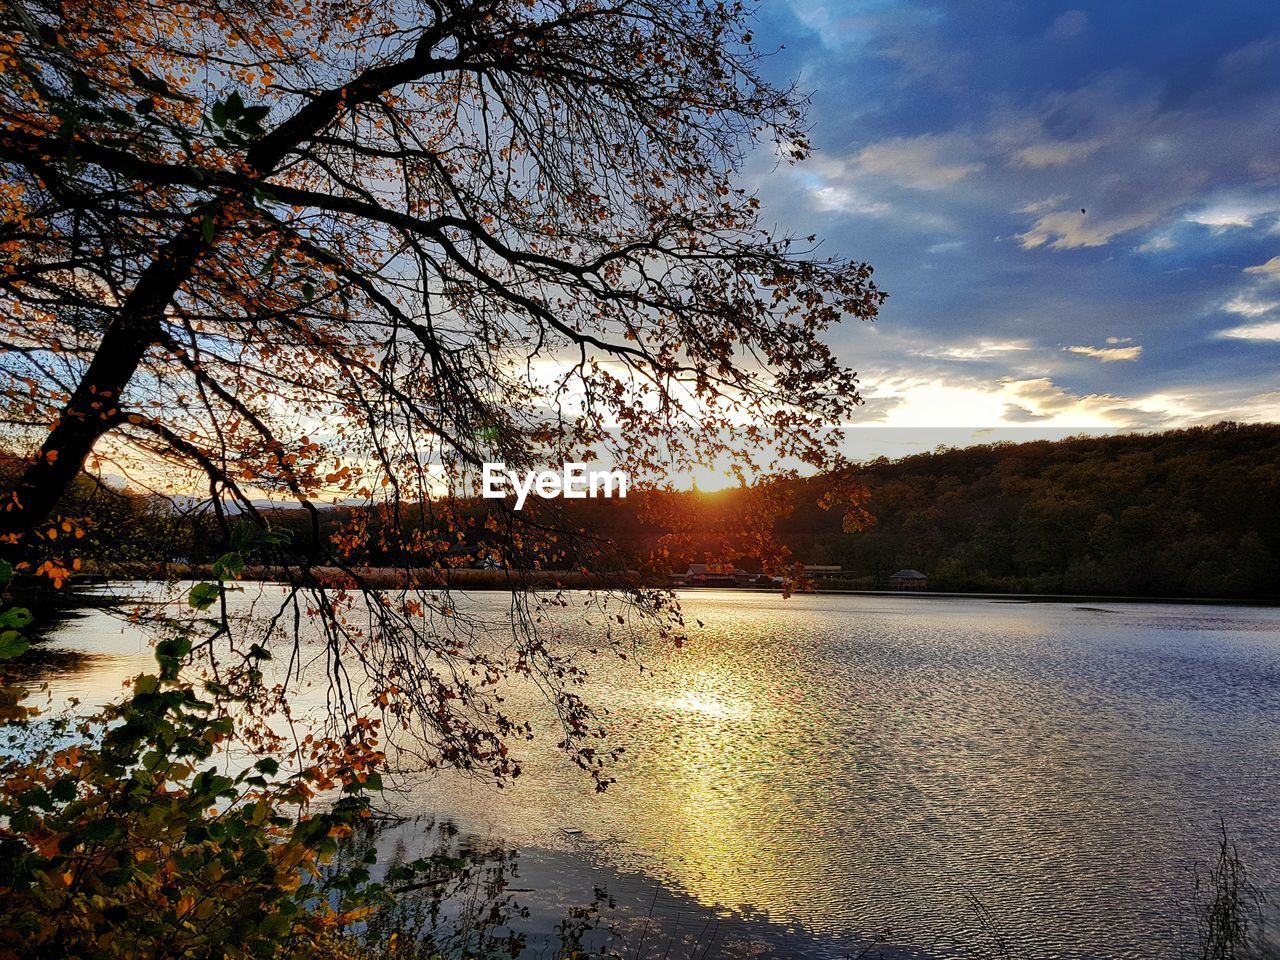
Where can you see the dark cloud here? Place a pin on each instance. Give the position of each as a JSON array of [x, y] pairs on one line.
[[1064, 180]]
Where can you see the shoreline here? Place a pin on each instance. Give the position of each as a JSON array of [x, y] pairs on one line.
[[466, 578], [1032, 597]]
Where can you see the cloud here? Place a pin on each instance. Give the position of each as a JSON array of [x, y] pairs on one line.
[[846, 199], [1158, 243], [955, 148], [1262, 408], [925, 402], [1040, 400], [861, 25], [1254, 331], [1235, 213], [1015, 413], [1056, 153], [1254, 308], [1136, 156], [929, 162], [1040, 206], [977, 350], [1068, 26], [1108, 354], [1246, 306], [1249, 58], [1071, 229], [1042, 397], [978, 403], [1270, 268]]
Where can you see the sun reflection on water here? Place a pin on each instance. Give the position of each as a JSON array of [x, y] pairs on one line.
[[860, 763]]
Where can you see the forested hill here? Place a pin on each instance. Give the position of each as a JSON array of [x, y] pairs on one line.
[[1188, 513], [1191, 512]]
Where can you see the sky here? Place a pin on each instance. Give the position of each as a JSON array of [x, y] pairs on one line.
[[1075, 208]]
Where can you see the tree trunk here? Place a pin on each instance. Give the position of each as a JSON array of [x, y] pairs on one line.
[[94, 406]]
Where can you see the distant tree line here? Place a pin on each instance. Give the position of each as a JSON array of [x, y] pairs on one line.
[[1191, 512]]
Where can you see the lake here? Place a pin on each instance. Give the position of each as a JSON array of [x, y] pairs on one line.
[[817, 774]]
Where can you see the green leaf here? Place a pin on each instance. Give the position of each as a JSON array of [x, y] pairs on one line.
[[229, 566], [6, 571], [173, 647], [155, 85], [36, 797], [118, 877], [12, 644], [204, 595], [122, 117], [271, 260], [206, 228], [244, 535], [253, 117], [146, 683], [83, 87], [99, 830], [15, 618]]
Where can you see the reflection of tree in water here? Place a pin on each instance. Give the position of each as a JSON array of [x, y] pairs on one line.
[[40, 664], [50, 610], [462, 899], [459, 899]]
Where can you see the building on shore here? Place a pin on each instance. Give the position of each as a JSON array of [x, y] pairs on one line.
[[713, 575], [908, 580], [823, 571]]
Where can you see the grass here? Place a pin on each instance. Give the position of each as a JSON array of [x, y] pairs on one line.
[[1227, 915]]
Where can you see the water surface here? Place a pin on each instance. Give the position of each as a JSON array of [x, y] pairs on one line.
[[828, 769]]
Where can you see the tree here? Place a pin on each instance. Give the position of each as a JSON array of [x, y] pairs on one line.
[[331, 250]]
